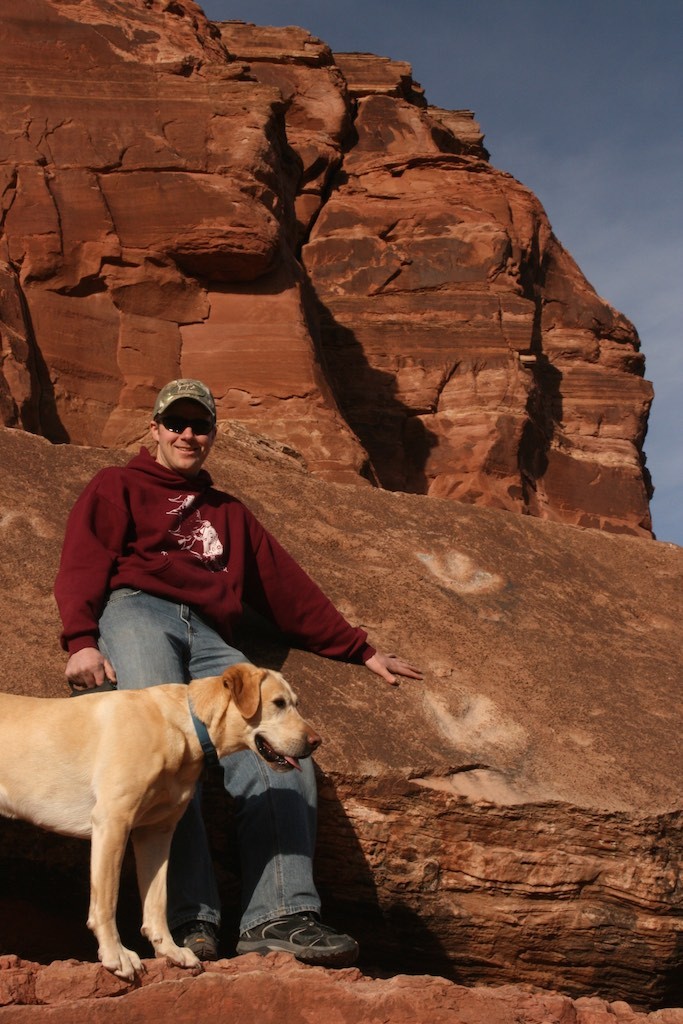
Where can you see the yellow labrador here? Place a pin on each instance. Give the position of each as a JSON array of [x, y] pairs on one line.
[[121, 764]]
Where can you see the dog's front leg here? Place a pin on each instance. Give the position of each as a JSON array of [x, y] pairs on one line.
[[152, 845], [110, 833]]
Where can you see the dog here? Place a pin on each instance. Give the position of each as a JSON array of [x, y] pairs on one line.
[[126, 763]]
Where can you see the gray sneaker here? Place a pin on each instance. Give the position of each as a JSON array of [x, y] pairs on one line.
[[305, 937]]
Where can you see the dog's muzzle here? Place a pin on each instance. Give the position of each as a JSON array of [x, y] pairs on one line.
[[285, 762]]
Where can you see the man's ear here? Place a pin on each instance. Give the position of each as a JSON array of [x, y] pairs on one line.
[[244, 682]]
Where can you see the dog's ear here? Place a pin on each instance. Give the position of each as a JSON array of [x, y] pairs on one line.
[[244, 682]]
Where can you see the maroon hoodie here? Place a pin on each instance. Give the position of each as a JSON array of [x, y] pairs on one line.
[[146, 527]]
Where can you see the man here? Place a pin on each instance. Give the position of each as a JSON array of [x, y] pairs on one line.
[[155, 568]]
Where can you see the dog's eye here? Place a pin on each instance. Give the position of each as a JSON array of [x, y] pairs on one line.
[[280, 702]]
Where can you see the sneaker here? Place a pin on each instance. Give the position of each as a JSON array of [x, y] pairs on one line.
[[305, 937], [199, 936]]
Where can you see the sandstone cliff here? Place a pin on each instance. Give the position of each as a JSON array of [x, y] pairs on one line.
[[374, 304], [337, 258], [514, 818]]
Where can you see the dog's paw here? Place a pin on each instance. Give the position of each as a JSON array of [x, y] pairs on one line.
[[181, 956], [124, 963]]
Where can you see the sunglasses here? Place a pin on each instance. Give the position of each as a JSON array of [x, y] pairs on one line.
[[178, 424]]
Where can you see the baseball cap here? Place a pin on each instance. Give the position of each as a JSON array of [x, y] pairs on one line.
[[184, 388]]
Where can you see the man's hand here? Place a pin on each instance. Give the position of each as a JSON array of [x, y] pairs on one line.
[[88, 668], [388, 666]]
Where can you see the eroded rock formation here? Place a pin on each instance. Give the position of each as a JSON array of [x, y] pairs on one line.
[[515, 818], [276, 989], [337, 258], [371, 301]]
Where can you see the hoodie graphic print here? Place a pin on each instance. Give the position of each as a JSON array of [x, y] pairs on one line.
[[197, 535]]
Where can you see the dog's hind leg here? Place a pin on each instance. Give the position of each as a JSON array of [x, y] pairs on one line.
[[109, 837], [152, 845]]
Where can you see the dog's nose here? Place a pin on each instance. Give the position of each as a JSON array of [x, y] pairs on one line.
[[314, 740]]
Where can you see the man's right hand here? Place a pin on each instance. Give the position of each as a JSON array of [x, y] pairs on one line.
[[88, 668]]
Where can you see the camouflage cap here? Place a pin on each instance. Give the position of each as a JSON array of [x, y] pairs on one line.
[[184, 388]]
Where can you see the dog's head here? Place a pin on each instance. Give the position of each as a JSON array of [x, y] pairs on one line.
[[270, 723]]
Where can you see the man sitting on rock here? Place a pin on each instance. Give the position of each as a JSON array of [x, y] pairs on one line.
[[155, 567]]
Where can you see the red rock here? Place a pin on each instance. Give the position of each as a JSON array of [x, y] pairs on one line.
[[466, 369], [435, 337], [317, 112], [514, 818], [368, 74], [277, 988]]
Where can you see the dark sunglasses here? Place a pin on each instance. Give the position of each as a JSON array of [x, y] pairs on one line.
[[178, 424]]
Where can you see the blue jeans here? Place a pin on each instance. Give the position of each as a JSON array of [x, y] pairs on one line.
[[150, 641]]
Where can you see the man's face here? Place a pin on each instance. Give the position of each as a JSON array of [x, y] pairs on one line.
[[183, 452]]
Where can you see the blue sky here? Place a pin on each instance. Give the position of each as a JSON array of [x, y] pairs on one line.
[[582, 102]]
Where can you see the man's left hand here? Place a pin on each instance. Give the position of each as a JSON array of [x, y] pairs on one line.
[[388, 666]]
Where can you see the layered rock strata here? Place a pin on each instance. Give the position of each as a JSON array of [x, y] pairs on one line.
[[336, 257], [278, 988], [516, 817]]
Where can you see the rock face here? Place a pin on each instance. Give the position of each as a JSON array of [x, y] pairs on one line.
[[372, 303], [338, 259], [277, 988], [514, 819]]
